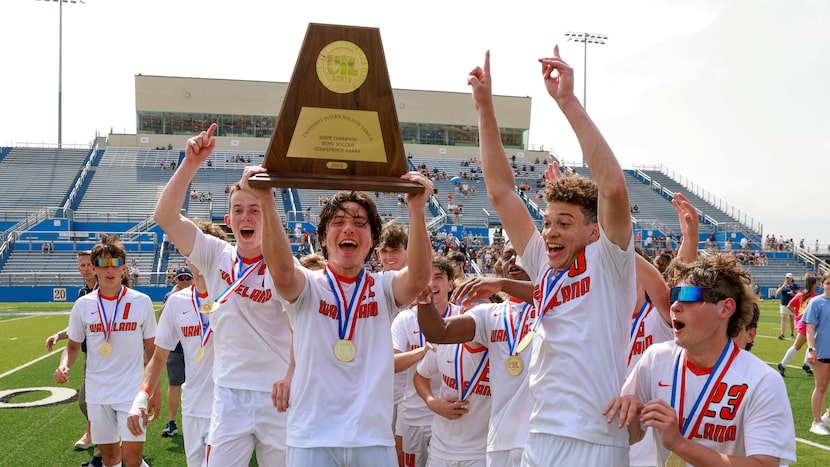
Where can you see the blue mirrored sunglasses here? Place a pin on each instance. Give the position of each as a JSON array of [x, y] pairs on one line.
[[104, 262], [694, 293]]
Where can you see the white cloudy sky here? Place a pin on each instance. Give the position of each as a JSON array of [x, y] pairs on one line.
[[730, 94]]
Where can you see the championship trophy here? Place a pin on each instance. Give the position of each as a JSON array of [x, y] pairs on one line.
[[338, 128]]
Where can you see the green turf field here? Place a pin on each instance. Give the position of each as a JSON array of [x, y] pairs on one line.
[[44, 436]]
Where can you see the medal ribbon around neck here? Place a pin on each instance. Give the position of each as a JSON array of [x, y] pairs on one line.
[[240, 277], [717, 373], [346, 324], [106, 323], [546, 302], [206, 329], [514, 334], [641, 315], [459, 372]]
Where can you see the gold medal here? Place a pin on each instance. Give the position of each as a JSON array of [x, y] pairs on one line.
[[344, 350], [675, 461], [209, 307], [514, 365], [526, 340], [105, 349], [200, 354]]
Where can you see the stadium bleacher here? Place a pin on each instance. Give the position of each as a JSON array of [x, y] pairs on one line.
[[124, 186]]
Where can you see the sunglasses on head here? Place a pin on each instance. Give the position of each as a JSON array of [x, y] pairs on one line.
[[104, 262], [694, 293]]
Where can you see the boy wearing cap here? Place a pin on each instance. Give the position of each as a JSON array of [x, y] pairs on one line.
[[787, 290]]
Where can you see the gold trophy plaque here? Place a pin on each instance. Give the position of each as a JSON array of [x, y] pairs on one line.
[[338, 128]]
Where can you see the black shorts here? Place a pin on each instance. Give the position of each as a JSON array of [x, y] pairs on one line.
[[175, 368]]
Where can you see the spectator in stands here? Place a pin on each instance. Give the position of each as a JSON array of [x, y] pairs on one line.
[[817, 318], [787, 291], [90, 283], [587, 234], [46, 248]]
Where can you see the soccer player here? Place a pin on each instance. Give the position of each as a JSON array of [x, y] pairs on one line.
[[183, 324], [410, 346], [710, 402], [341, 400], [582, 266], [500, 328], [252, 336], [817, 320], [119, 325]]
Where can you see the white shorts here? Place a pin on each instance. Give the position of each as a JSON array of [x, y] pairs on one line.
[[242, 421], [335, 457], [509, 458], [785, 310], [108, 423], [549, 450], [415, 444], [195, 432], [437, 462]]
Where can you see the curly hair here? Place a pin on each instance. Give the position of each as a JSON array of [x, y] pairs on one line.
[[576, 190], [722, 273], [335, 205]]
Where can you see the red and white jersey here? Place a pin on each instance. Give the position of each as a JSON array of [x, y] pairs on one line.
[[579, 354], [406, 336], [335, 403], [647, 328], [252, 336], [464, 438], [510, 402], [749, 412], [113, 378], [180, 323]]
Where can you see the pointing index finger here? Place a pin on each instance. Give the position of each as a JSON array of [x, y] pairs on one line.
[[212, 129]]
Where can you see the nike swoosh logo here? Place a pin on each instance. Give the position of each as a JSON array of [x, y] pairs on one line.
[[186, 312], [662, 384], [450, 361]]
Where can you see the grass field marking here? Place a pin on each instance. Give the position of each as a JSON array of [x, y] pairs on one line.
[[812, 443], [32, 362], [15, 319]]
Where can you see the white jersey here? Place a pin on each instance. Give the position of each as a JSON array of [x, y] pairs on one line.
[[180, 323], [406, 336], [113, 378], [334, 403], [510, 403], [749, 413], [464, 438], [647, 327], [578, 361], [252, 336]]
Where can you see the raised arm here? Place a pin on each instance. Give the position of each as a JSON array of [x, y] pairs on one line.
[[411, 280], [180, 230], [613, 208], [689, 227], [289, 279], [498, 175]]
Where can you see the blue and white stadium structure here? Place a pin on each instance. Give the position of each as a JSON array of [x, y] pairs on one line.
[[65, 198]]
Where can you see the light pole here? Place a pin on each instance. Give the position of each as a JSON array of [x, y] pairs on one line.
[[60, 66], [586, 38]]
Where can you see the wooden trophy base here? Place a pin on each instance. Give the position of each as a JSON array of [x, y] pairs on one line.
[[333, 182]]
